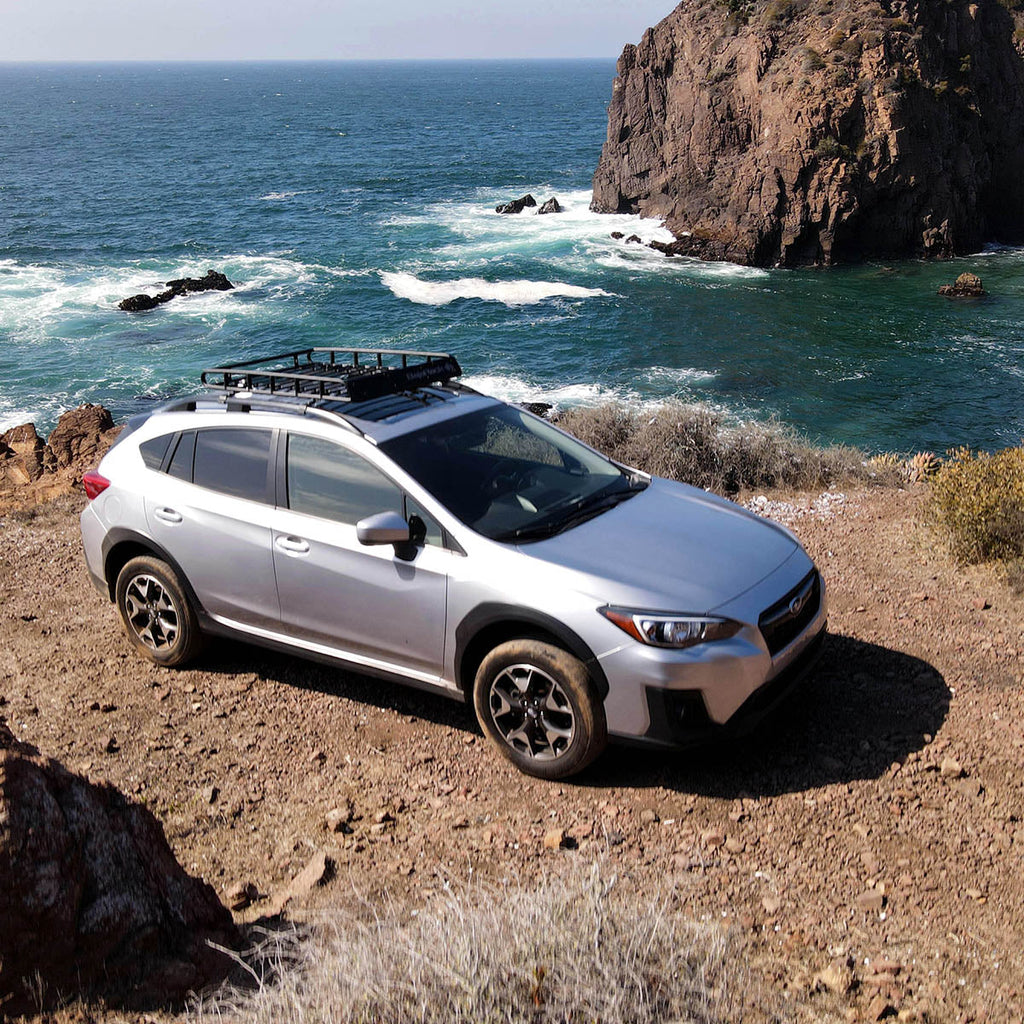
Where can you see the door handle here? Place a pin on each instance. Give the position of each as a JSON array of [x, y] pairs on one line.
[[293, 545], [167, 515]]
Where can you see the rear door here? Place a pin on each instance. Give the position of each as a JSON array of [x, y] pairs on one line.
[[378, 608], [212, 514]]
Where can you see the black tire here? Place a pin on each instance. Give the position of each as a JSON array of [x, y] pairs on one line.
[[537, 703], [156, 612]]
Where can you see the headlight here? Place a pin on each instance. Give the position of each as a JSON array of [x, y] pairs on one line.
[[671, 630]]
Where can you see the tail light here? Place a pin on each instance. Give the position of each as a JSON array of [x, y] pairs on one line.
[[94, 484]]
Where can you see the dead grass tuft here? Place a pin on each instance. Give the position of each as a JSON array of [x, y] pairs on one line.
[[693, 443], [567, 950]]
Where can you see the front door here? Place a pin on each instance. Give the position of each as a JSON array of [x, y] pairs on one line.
[[363, 602]]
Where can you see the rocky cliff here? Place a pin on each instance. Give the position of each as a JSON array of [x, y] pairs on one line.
[[820, 131]]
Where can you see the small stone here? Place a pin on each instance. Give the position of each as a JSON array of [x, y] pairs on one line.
[[837, 977], [240, 895], [970, 788], [871, 902], [314, 874], [713, 838], [554, 839], [771, 904], [337, 820], [880, 1008], [649, 817], [460, 823], [950, 768], [734, 845], [919, 595], [383, 817], [210, 794], [980, 604]]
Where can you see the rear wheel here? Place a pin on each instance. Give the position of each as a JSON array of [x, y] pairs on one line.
[[156, 612], [537, 703]]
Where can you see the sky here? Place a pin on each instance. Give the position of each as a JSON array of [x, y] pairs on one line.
[[321, 29]]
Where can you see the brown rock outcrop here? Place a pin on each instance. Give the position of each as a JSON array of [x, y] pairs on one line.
[[92, 900], [813, 132], [33, 470], [966, 286]]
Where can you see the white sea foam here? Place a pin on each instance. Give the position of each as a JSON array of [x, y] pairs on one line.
[[679, 376], [483, 232], [511, 293], [517, 389]]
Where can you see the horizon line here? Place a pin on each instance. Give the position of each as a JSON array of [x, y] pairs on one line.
[[285, 60]]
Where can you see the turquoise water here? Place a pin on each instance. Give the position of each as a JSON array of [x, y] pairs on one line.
[[352, 204]]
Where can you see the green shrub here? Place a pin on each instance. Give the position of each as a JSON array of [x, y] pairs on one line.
[[979, 500]]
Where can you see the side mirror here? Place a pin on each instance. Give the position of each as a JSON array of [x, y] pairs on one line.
[[383, 528]]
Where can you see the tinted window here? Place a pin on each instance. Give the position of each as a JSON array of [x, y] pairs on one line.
[[329, 481], [181, 462], [424, 528], [154, 450], [233, 462]]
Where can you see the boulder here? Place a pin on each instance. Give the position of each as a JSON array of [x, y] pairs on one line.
[[212, 280], [768, 134], [92, 901], [23, 455], [551, 206], [516, 205], [967, 286], [78, 436]]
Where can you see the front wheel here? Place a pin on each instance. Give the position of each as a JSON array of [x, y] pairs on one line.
[[537, 703], [156, 612]]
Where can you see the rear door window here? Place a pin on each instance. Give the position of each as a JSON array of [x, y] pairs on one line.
[[233, 461]]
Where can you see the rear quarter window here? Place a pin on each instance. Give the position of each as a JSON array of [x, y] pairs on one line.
[[154, 450]]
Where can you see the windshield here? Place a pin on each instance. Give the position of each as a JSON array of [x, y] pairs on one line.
[[509, 475]]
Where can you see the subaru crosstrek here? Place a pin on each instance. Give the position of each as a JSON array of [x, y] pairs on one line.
[[365, 508]]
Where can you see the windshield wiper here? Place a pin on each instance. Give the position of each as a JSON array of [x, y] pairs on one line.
[[578, 512]]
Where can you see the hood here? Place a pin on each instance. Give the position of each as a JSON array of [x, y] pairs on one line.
[[670, 548]]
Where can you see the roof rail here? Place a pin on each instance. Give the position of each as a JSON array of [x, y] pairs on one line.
[[352, 374]]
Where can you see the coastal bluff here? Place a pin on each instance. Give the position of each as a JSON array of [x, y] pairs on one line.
[[810, 132]]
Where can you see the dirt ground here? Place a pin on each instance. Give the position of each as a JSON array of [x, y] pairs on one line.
[[867, 846]]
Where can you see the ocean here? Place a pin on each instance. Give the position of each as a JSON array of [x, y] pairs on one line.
[[353, 204]]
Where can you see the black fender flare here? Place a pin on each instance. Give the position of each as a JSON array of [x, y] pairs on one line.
[[119, 535], [489, 614]]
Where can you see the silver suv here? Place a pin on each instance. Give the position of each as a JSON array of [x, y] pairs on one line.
[[363, 507]]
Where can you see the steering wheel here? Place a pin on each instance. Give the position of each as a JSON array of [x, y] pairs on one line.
[[504, 478]]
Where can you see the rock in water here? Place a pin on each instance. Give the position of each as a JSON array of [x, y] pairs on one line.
[[967, 286], [516, 205], [551, 206], [820, 132], [92, 901], [212, 280]]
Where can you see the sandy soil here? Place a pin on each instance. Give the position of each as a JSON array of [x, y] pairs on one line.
[[867, 844]]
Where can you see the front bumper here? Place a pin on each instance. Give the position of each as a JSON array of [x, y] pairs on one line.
[[677, 698]]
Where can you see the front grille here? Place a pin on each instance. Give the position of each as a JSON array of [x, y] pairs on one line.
[[785, 620]]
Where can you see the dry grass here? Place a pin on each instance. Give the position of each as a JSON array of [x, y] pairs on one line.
[[694, 444], [574, 949]]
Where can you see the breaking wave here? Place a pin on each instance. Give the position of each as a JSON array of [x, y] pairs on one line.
[[511, 293]]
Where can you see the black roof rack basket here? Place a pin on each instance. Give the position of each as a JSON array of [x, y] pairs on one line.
[[340, 374]]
